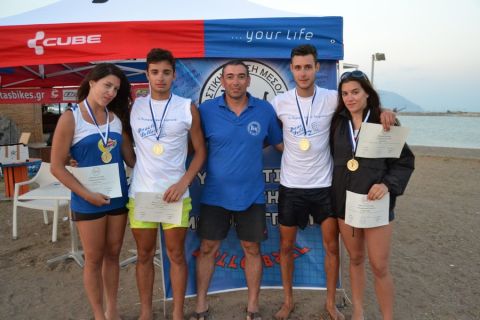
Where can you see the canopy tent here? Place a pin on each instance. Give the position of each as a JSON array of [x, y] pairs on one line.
[[54, 43], [57, 43]]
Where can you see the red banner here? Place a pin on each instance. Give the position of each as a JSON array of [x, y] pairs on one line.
[[43, 96], [54, 95], [79, 42]]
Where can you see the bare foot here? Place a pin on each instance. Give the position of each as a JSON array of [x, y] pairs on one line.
[[176, 317], [145, 315], [334, 314], [112, 316], [284, 312], [357, 315]]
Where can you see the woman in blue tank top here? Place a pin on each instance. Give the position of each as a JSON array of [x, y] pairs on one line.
[[95, 133]]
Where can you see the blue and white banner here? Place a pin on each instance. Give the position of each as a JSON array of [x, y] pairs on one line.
[[273, 38]]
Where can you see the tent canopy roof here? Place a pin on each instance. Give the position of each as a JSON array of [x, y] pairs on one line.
[[54, 47]]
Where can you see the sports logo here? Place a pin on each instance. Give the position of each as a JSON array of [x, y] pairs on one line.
[[69, 95], [40, 42], [265, 82], [254, 128]]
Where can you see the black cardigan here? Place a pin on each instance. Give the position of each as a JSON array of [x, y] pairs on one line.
[[394, 173]]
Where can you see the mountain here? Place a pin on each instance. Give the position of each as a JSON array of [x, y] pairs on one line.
[[392, 100]]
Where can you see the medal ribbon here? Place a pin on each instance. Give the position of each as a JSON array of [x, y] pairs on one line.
[[305, 122], [152, 112], [353, 139], [92, 116]]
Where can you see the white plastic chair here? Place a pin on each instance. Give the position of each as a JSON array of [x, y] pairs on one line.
[[42, 178]]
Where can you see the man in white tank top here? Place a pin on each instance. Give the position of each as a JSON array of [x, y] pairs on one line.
[[161, 124], [306, 172]]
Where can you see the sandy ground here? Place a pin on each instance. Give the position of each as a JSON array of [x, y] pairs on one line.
[[435, 257]]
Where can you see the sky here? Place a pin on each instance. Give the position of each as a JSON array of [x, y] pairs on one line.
[[432, 48]]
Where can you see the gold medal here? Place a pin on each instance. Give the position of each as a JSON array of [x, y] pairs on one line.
[[352, 164], [304, 144], [157, 149], [106, 157], [101, 147]]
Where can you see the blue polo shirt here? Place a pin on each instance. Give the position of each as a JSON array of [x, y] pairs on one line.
[[234, 164]]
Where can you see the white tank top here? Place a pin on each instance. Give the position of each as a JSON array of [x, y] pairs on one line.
[[311, 168], [84, 128], [156, 173]]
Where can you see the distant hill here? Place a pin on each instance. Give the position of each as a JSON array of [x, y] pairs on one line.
[[392, 100]]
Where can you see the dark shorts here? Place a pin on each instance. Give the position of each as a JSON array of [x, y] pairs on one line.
[[250, 224], [79, 216], [295, 205]]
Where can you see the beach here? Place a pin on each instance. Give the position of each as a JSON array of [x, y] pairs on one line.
[[435, 258]]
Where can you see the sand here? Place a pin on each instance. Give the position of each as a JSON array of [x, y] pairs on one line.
[[435, 257]]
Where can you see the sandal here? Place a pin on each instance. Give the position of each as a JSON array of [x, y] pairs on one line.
[[201, 315], [253, 315]]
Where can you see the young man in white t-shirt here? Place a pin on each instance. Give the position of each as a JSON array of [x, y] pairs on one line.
[[306, 171], [162, 124]]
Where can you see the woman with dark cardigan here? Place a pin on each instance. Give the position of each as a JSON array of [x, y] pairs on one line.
[[358, 102]]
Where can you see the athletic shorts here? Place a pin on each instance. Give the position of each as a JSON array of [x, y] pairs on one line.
[[250, 224], [79, 216], [295, 205], [136, 224]]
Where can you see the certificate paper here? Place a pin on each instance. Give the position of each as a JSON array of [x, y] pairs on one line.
[[149, 206], [103, 179], [363, 213], [374, 142]]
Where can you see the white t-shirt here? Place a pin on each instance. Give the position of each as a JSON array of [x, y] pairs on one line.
[[156, 173], [312, 168]]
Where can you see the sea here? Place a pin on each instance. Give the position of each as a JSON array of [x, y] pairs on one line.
[[443, 130]]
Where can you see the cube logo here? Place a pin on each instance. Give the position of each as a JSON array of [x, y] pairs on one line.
[[40, 42]]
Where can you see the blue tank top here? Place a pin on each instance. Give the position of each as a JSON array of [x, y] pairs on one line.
[[86, 151]]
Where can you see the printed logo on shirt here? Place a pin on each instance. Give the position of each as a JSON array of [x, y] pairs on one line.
[[266, 83], [148, 131], [254, 128]]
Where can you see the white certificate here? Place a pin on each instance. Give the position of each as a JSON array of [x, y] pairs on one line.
[[374, 142], [103, 179], [150, 206], [363, 213]]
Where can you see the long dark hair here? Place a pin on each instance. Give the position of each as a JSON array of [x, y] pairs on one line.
[[120, 105], [373, 100]]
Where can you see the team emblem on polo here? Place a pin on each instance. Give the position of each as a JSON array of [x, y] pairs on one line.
[[254, 128]]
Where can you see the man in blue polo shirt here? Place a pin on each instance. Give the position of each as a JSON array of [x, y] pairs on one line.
[[236, 126]]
